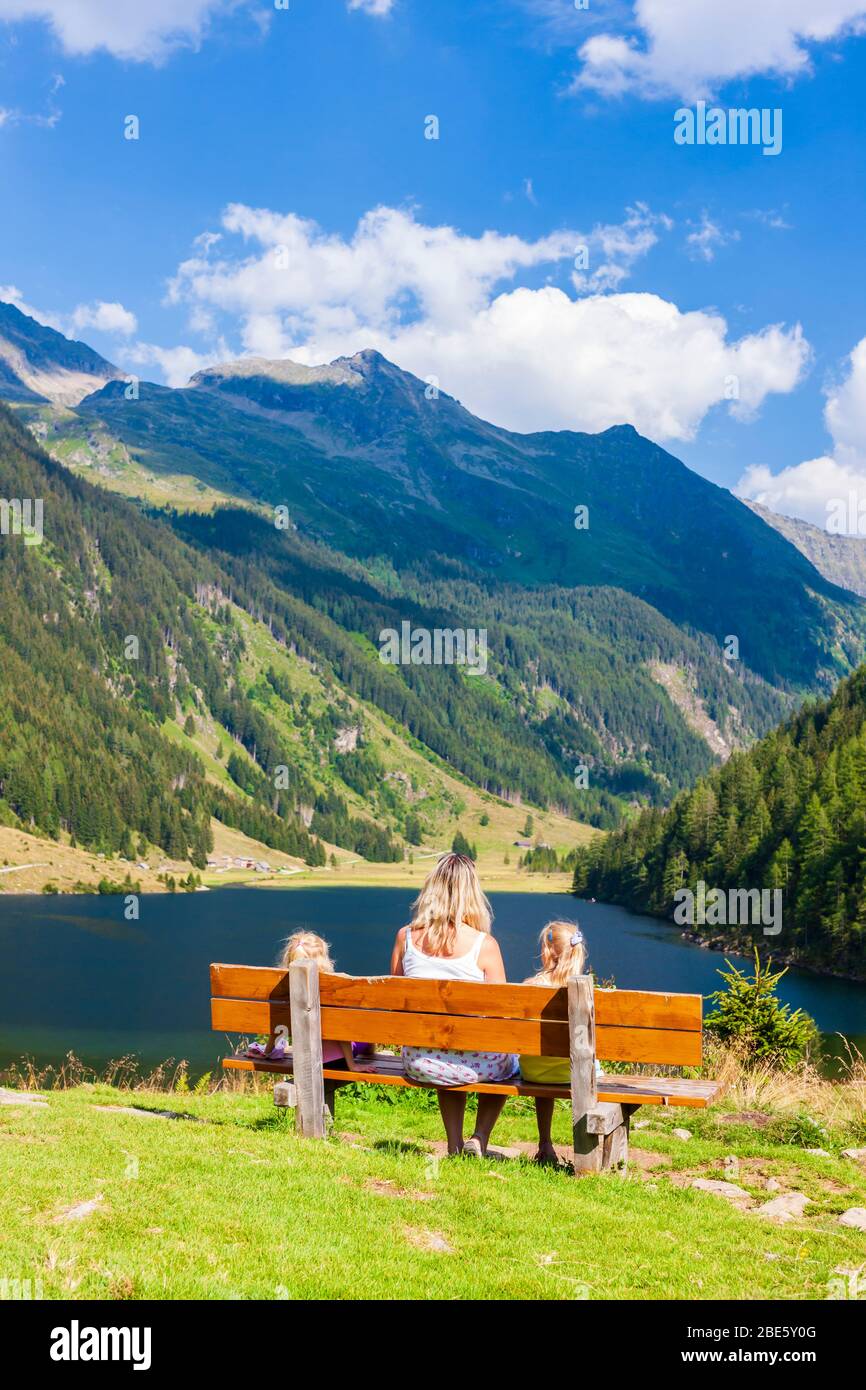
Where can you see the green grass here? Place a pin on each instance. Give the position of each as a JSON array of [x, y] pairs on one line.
[[232, 1205]]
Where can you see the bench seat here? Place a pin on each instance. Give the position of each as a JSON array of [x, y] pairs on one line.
[[386, 1069]]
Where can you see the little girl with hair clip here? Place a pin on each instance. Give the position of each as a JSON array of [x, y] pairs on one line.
[[563, 954]]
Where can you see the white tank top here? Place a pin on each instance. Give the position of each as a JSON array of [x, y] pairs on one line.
[[417, 966]]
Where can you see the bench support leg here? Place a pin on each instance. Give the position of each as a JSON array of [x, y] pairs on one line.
[[588, 1151], [307, 1049], [616, 1146], [330, 1094]]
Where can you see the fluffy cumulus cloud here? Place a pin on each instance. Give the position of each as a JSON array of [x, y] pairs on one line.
[[140, 30], [105, 318], [98, 316], [583, 354], [690, 48], [830, 490]]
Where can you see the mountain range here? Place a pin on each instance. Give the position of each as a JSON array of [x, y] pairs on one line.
[[642, 623]]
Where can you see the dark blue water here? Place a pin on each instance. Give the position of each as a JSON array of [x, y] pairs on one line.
[[74, 976]]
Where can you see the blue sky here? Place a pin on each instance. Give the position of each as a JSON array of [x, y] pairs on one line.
[[553, 124]]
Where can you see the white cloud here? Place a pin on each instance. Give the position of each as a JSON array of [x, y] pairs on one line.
[[706, 237], [374, 7], [177, 364], [140, 30], [103, 317], [809, 489], [617, 246], [444, 304], [689, 50]]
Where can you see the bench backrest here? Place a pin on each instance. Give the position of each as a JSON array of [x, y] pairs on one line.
[[630, 1025]]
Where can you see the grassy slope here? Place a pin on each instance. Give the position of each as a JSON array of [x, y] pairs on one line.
[[445, 802], [238, 1208], [87, 448]]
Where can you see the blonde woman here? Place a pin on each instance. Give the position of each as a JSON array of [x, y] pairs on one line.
[[563, 954], [449, 938]]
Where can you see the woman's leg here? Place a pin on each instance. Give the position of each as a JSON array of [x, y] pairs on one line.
[[452, 1108], [489, 1110], [544, 1116]]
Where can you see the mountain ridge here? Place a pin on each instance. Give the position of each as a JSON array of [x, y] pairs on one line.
[[38, 363], [364, 457]]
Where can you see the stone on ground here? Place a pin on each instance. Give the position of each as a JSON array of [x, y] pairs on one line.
[[729, 1190], [784, 1207], [8, 1097]]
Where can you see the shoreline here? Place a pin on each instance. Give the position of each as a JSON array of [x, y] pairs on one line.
[[722, 948]]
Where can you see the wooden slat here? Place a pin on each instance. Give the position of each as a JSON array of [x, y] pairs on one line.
[[613, 1007], [617, 1090], [534, 1037]]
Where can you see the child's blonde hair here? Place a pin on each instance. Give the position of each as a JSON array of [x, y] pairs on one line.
[[451, 894], [563, 954], [305, 945]]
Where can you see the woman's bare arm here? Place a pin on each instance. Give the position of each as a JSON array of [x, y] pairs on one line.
[[490, 960], [397, 953]]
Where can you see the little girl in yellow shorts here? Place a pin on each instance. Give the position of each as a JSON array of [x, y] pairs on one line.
[[563, 954]]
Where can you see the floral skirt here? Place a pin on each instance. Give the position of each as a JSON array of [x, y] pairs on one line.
[[436, 1067]]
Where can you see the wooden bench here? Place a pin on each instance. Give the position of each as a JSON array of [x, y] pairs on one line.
[[578, 1022]]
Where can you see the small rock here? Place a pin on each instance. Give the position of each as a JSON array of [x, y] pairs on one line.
[[855, 1217], [773, 1185], [729, 1190], [858, 1155], [784, 1207], [428, 1240], [79, 1210], [641, 1124], [819, 1153], [19, 1098], [683, 1134], [140, 1113]]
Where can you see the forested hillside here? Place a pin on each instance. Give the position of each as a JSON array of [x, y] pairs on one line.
[[107, 626], [569, 679], [788, 814]]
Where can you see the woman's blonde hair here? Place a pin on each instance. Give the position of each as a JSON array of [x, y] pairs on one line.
[[305, 945], [451, 895], [563, 954]]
